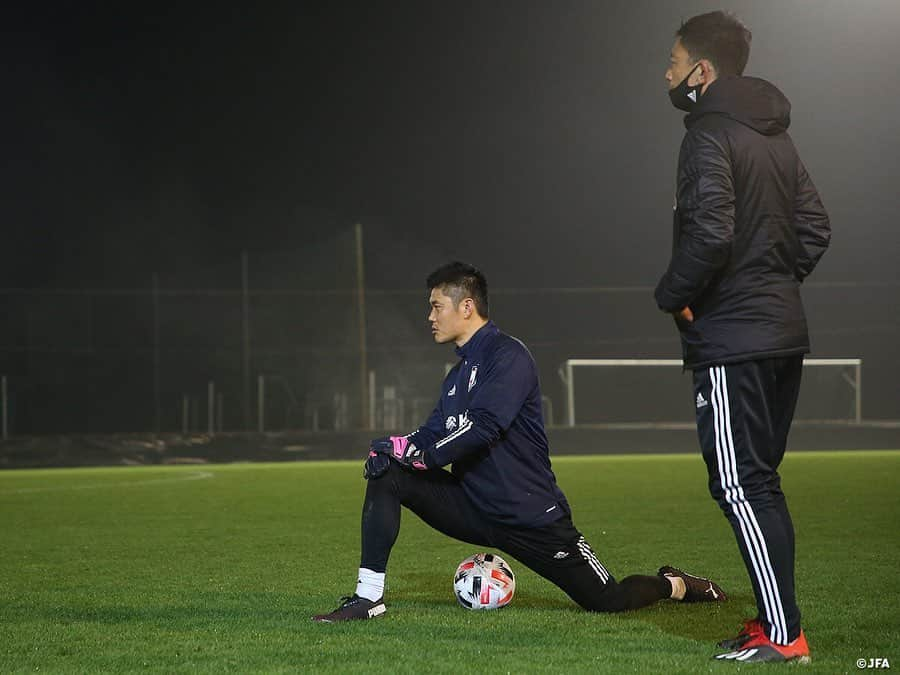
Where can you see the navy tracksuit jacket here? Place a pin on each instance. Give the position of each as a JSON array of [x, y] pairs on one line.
[[488, 424]]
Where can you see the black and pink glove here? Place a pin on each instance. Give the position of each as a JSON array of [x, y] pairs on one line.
[[376, 465], [401, 451]]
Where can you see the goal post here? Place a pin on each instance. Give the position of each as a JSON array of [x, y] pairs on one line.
[[567, 373]]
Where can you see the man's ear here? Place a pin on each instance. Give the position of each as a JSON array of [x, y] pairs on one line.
[[706, 72], [468, 306]]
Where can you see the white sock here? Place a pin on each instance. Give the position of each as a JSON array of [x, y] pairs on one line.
[[370, 585]]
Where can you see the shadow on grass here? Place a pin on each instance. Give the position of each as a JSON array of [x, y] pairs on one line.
[[421, 588], [697, 621], [703, 622]]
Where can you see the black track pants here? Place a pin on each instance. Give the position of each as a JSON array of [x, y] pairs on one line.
[[744, 413], [558, 551]]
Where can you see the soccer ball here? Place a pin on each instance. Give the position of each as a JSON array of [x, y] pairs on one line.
[[484, 581]]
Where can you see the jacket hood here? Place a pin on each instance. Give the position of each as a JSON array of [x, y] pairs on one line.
[[751, 101]]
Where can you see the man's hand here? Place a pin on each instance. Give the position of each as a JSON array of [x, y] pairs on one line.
[[376, 465], [401, 450], [685, 314]]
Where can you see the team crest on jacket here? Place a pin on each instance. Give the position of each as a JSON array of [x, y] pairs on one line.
[[450, 424], [472, 377]]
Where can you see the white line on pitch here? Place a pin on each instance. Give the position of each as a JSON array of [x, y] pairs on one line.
[[197, 475]]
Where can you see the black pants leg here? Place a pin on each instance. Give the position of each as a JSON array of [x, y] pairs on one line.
[[788, 374], [744, 415], [558, 552], [435, 496]]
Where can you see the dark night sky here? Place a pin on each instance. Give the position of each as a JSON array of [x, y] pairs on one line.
[[532, 138]]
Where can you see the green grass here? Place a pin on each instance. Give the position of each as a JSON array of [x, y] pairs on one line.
[[218, 568]]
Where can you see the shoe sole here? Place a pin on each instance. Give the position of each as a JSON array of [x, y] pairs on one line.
[[733, 656]]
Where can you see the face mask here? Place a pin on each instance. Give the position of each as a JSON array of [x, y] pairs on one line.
[[683, 96]]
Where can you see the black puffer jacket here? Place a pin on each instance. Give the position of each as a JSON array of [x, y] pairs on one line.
[[748, 228]]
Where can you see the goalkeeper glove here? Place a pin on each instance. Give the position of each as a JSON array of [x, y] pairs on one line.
[[376, 465], [402, 451]]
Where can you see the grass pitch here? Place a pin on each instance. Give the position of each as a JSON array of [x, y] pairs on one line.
[[218, 568]]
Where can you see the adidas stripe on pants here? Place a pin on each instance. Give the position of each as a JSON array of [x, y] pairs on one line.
[[744, 413]]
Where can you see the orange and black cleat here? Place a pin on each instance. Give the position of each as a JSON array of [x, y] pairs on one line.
[[760, 648], [752, 628]]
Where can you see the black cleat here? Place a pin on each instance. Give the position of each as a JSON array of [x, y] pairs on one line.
[[697, 589], [353, 607]]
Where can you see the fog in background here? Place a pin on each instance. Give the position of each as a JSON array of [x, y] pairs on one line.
[[532, 139]]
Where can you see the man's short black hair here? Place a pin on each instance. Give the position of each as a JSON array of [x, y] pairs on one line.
[[460, 281], [718, 37]]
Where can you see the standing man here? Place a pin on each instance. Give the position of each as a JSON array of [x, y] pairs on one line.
[[501, 492], [748, 228]]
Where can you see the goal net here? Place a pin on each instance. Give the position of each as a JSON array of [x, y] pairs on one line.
[[652, 392]]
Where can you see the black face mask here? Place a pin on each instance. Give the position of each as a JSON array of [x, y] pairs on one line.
[[683, 96]]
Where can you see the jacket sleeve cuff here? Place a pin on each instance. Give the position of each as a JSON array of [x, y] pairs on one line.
[[665, 300], [430, 458]]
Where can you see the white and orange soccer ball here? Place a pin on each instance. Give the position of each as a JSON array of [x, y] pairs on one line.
[[484, 581]]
